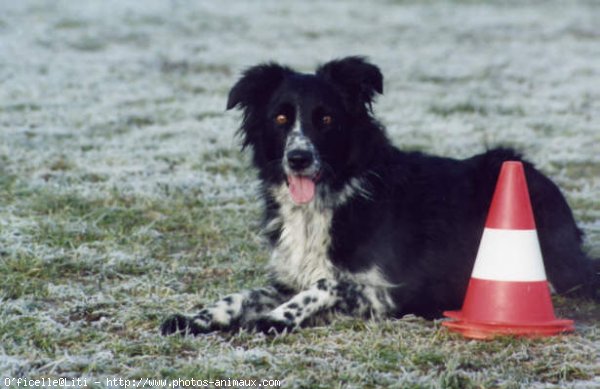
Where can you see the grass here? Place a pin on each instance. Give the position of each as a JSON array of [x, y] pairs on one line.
[[472, 108], [123, 197], [114, 266]]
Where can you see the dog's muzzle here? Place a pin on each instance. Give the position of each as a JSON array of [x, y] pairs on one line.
[[302, 167], [300, 156], [298, 160]]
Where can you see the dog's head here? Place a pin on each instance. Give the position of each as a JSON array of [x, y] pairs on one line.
[[309, 129]]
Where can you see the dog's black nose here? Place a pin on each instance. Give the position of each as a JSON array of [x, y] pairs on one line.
[[299, 159]]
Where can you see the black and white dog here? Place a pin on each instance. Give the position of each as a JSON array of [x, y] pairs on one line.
[[357, 226]]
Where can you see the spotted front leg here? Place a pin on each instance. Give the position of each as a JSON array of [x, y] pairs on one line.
[[226, 314], [294, 312], [326, 295]]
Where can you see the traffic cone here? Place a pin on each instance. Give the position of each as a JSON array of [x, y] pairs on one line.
[[508, 293]]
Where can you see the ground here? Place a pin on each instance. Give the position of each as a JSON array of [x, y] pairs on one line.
[[124, 196]]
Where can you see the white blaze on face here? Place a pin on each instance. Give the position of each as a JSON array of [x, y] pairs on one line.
[[301, 187]]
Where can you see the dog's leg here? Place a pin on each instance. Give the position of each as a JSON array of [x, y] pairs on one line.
[[228, 313], [326, 295]]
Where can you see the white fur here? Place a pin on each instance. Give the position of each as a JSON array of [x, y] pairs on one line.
[[376, 290], [372, 277], [377, 307], [221, 310], [355, 187], [297, 128], [323, 299], [300, 258]]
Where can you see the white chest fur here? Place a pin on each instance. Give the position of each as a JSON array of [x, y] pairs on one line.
[[301, 256]]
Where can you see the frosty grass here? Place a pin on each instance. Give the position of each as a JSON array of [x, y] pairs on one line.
[[124, 196]]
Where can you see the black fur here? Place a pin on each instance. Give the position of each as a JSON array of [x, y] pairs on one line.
[[403, 228]]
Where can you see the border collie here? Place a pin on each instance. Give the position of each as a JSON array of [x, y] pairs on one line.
[[356, 225]]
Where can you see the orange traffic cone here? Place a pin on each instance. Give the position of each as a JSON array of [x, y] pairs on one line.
[[508, 293]]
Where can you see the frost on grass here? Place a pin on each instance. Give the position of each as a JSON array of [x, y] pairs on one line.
[[124, 196]]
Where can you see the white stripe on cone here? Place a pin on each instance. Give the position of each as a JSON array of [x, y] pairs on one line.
[[509, 255]]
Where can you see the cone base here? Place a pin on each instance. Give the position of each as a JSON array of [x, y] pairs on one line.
[[485, 331]]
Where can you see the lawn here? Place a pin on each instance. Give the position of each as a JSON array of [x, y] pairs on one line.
[[124, 196]]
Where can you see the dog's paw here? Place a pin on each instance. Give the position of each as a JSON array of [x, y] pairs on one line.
[[270, 326], [183, 325]]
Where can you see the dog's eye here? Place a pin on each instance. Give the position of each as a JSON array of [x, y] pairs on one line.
[[281, 119], [327, 120]]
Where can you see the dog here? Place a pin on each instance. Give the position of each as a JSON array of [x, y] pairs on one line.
[[355, 225]]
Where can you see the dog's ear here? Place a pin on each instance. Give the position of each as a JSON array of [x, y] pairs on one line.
[[357, 79], [252, 93], [256, 85]]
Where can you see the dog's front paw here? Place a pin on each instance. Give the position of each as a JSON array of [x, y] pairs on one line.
[[270, 326], [180, 324]]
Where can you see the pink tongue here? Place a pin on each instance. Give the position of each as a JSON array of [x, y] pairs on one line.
[[302, 189]]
